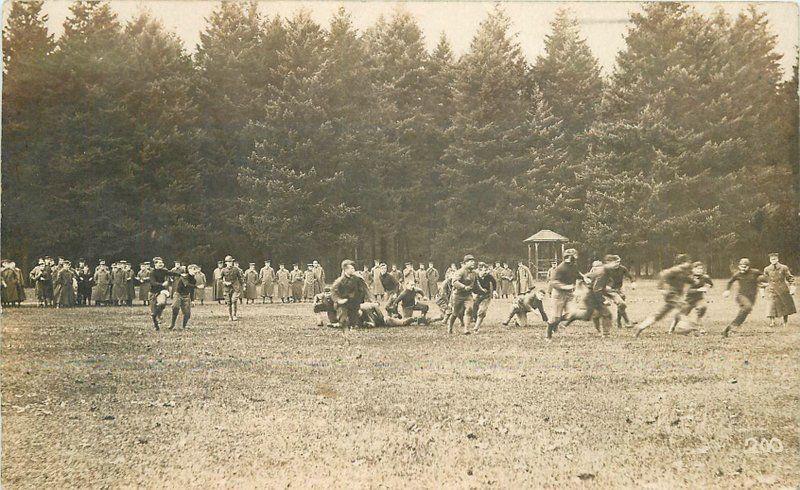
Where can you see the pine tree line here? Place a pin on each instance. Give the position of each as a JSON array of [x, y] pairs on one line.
[[286, 139]]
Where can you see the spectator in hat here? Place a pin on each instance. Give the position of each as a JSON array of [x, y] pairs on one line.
[[101, 293], [251, 283], [266, 277], [780, 289], [319, 274], [143, 278], [296, 278], [309, 283], [284, 283], [200, 282], [219, 290]]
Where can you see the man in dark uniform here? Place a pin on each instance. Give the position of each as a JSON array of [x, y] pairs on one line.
[[485, 289], [232, 281], [562, 286], [750, 280], [617, 273], [325, 309], [183, 286], [463, 286], [85, 282], [695, 295], [159, 284], [349, 291], [595, 307], [407, 303], [672, 283]]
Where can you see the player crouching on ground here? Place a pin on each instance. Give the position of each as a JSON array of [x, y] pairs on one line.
[[325, 309], [525, 303], [406, 303]]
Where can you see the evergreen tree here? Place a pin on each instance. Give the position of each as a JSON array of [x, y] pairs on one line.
[[672, 121], [25, 149], [293, 184], [568, 75], [90, 207], [501, 134], [235, 61], [165, 162], [398, 62]]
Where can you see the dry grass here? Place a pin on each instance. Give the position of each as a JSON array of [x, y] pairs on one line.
[[94, 397]]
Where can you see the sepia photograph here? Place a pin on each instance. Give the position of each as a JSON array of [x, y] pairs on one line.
[[383, 244]]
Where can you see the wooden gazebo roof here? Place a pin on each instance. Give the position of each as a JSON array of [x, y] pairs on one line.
[[544, 236]]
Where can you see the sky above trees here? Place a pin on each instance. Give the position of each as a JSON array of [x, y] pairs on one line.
[[602, 24]]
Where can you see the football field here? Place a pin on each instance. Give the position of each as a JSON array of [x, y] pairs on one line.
[[93, 397]]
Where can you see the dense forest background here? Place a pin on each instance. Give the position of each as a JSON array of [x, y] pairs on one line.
[[282, 138]]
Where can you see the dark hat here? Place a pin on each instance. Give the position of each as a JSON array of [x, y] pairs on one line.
[[144, 263], [482, 265], [744, 261], [698, 264], [469, 257], [570, 252], [409, 263], [773, 254], [611, 258]]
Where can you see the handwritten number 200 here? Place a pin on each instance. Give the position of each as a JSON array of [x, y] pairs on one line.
[[763, 445]]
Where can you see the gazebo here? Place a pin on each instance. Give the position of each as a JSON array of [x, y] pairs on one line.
[[547, 243]]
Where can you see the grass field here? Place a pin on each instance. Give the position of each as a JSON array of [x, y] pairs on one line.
[[94, 397]]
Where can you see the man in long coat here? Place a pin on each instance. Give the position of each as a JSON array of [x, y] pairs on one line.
[[421, 278], [84, 276], [200, 282], [11, 286], [219, 290], [319, 275], [119, 287], [37, 278], [432, 275], [251, 283], [377, 286], [296, 278], [524, 278], [780, 286], [266, 277], [130, 284], [143, 278], [64, 280], [101, 293], [309, 283], [284, 283]]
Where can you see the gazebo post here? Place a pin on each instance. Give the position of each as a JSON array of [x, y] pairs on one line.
[[536, 264]]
